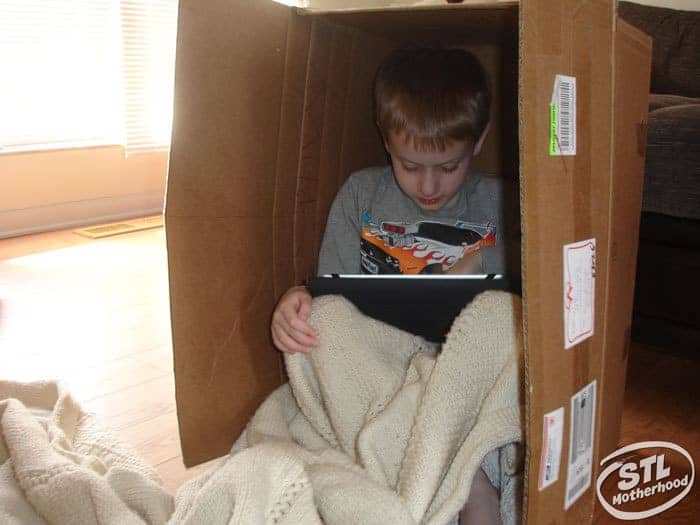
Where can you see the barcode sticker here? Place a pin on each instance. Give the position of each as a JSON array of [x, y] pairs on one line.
[[562, 116], [552, 437], [579, 291], [580, 465]]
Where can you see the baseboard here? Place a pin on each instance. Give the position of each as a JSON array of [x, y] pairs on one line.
[[76, 214]]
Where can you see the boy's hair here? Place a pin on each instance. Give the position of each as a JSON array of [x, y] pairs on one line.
[[434, 95]]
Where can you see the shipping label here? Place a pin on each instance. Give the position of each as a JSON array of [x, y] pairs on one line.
[[579, 291], [581, 429], [552, 437], [562, 116]]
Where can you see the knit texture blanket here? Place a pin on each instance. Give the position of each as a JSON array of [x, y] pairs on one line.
[[58, 464], [375, 426]]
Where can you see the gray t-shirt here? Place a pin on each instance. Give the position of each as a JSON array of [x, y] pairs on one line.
[[373, 227]]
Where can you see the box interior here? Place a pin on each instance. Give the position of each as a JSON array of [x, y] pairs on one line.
[[337, 132], [270, 119]]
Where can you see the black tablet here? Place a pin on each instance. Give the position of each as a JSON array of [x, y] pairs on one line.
[[424, 305]]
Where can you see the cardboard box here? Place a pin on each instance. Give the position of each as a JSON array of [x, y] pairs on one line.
[[272, 112]]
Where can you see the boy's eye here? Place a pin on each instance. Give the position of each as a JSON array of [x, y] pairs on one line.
[[450, 168], [410, 167]]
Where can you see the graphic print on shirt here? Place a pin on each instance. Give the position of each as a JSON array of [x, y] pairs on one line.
[[419, 247]]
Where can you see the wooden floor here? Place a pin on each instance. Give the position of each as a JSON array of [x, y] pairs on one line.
[[661, 398], [661, 404], [95, 314]]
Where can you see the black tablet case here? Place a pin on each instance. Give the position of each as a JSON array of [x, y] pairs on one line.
[[424, 306]]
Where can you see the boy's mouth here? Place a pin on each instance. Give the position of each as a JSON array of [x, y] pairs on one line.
[[428, 202]]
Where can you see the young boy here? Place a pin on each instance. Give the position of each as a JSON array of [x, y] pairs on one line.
[[425, 213]]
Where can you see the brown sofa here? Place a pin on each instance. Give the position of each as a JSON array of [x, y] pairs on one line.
[[666, 309]]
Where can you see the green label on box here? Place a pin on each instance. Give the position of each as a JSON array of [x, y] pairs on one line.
[[553, 149]]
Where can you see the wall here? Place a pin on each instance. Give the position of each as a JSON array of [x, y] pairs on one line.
[[686, 5], [57, 189]]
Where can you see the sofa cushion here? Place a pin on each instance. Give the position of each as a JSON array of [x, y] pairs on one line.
[[676, 50], [672, 169]]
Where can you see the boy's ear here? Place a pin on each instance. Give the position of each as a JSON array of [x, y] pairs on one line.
[[480, 142], [384, 141]]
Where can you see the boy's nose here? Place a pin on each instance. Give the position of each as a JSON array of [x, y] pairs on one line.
[[427, 185]]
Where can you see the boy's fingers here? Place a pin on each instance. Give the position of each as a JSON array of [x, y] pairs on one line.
[[282, 331], [295, 330], [288, 313], [305, 307], [301, 326], [283, 320], [289, 329], [303, 333], [287, 344], [275, 340], [278, 344], [292, 323], [301, 337], [278, 328]]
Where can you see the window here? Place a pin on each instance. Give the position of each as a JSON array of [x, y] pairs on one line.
[[85, 72], [149, 30]]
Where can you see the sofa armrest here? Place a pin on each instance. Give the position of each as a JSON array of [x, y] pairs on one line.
[[672, 170]]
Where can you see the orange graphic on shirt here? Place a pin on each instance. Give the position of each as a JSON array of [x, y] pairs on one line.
[[413, 248]]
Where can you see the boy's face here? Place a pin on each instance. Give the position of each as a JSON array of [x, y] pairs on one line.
[[431, 178]]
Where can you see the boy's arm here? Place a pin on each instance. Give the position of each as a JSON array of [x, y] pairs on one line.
[[505, 256], [340, 248], [340, 253], [468, 264]]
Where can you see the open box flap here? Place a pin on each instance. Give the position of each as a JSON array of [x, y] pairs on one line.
[[228, 90], [327, 6], [632, 86]]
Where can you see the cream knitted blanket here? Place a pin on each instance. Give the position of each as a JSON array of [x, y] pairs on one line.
[[374, 426], [58, 464]]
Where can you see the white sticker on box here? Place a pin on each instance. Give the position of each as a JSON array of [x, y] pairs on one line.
[[562, 116], [581, 429], [552, 437], [579, 291]]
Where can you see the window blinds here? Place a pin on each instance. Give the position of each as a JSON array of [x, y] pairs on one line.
[[84, 72], [148, 38], [59, 85]]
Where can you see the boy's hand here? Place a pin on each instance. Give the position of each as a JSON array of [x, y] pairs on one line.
[[290, 331], [470, 263]]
